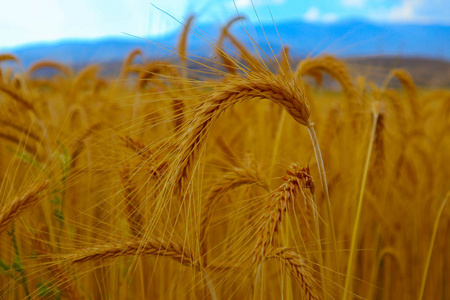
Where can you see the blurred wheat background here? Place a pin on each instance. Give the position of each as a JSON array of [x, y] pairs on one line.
[[244, 177]]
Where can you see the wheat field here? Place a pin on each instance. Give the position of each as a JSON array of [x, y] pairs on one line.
[[242, 179]]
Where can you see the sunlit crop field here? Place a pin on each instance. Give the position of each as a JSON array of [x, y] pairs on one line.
[[244, 178]]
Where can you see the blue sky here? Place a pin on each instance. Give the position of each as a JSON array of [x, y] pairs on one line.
[[29, 21]]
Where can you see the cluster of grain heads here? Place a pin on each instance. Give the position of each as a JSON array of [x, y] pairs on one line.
[[163, 188]]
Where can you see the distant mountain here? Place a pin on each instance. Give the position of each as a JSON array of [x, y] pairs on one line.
[[351, 38]]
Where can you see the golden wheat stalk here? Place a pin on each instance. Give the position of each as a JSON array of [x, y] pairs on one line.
[[285, 66], [411, 90], [126, 66], [154, 68], [256, 86], [21, 128], [281, 203], [88, 73], [132, 204], [178, 108], [8, 57], [333, 67], [17, 97], [19, 205], [356, 226], [147, 246], [182, 43], [228, 62], [295, 263], [51, 65]]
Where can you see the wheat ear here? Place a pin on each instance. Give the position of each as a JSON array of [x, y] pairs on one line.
[[333, 67], [256, 86], [280, 204], [128, 61], [8, 57], [20, 204], [132, 206], [49, 64], [299, 269], [229, 63]]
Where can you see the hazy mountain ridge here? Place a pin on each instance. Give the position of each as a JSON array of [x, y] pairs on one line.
[[344, 39]]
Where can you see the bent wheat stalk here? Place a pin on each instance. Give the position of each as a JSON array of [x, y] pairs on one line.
[[255, 86]]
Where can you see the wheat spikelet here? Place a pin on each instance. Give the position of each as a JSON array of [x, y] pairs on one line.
[[14, 139], [132, 204], [255, 86], [49, 64], [229, 63], [379, 145], [156, 68], [410, 88], [128, 61], [333, 67], [88, 73], [147, 246], [183, 41], [18, 98], [8, 57], [281, 203], [178, 114], [20, 204], [299, 269], [21, 128], [285, 67]]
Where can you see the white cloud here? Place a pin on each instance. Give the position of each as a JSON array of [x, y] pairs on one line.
[[240, 4], [403, 12], [353, 3], [313, 14]]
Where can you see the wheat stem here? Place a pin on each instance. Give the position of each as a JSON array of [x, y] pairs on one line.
[[430, 250], [359, 208], [323, 179]]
